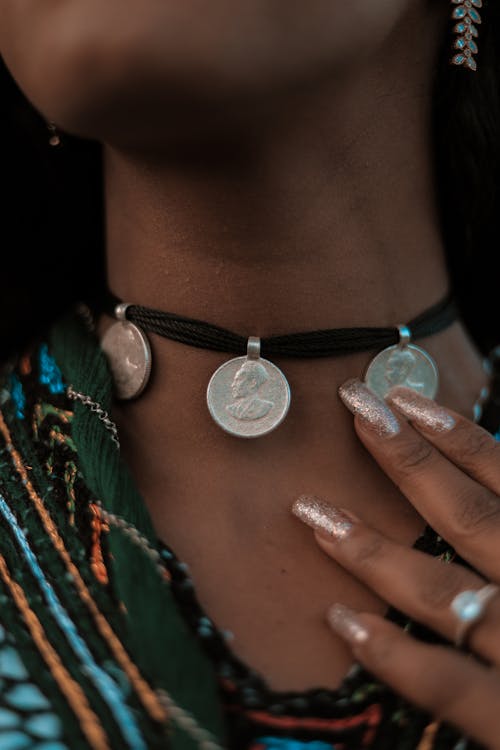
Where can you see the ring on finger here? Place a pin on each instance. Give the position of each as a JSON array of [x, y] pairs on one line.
[[469, 608]]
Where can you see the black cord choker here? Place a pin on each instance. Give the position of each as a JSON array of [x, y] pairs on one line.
[[248, 396]]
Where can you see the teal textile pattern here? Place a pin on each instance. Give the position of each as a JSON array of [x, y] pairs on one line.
[[27, 719]]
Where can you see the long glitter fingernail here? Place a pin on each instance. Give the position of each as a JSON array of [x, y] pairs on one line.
[[347, 624], [421, 410], [359, 399], [322, 517]]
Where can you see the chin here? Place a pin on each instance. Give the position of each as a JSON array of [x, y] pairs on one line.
[[137, 72]]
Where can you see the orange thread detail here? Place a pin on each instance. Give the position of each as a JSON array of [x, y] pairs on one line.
[[370, 716], [57, 437], [96, 557], [429, 735], [148, 697], [25, 365], [36, 420], [74, 694], [166, 575], [69, 478], [43, 410]]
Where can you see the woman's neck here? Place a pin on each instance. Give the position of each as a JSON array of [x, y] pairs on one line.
[[324, 218]]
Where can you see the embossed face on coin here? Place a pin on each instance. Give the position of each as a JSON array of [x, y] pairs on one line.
[[248, 397], [409, 365], [129, 357], [248, 379], [400, 365]]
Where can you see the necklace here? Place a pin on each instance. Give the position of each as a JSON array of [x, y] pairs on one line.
[[249, 396]]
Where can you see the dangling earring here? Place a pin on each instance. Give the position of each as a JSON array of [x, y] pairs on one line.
[[54, 139], [466, 15]]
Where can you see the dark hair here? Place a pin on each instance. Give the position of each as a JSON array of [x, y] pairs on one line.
[[52, 223], [51, 235], [466, 117]]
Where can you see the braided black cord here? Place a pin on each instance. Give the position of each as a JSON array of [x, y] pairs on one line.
[[322, 343]]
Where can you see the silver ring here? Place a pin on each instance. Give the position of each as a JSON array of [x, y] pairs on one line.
[[469, 607]]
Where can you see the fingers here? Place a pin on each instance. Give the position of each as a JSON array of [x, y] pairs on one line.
[[463, 510], [468, 445], [411, 581], [452, 686]]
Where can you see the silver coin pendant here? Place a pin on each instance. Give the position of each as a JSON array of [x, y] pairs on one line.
[[248, 396], [407, 365], [129, 357]]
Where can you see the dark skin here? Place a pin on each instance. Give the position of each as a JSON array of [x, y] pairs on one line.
[[267, 170]]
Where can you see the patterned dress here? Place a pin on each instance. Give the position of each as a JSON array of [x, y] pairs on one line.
[[103, 643]]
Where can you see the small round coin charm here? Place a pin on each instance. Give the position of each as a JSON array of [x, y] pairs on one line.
[[129, 355], [403, 364], [248, 396]]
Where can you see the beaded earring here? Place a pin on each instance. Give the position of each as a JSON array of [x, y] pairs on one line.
[[467, 16], [55, 139]]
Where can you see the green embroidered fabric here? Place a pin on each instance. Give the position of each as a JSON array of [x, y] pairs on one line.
[[95, 650], [57, 460]]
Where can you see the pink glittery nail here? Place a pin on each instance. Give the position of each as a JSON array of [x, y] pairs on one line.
[[347, 624], [421, 410], [360, 400], [322, 517]]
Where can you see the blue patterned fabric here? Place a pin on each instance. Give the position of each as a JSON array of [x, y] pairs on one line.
[[279, 743], [26, 716], [104, 683], [50, 374], [17, 395]]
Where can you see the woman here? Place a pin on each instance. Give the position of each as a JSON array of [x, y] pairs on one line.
[[268, 169]]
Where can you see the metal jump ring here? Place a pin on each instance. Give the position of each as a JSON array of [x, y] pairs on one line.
[[469, 608]]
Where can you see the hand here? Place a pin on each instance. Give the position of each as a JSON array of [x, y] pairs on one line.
[[449, 469]]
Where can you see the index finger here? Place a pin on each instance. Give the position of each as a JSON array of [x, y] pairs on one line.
[[465, 511], [469, 446]]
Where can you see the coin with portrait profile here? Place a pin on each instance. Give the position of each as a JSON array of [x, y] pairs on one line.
[[128, 353], [248, 397], [407, 365]]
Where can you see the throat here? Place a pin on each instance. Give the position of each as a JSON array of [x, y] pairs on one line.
[[277, 237]]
